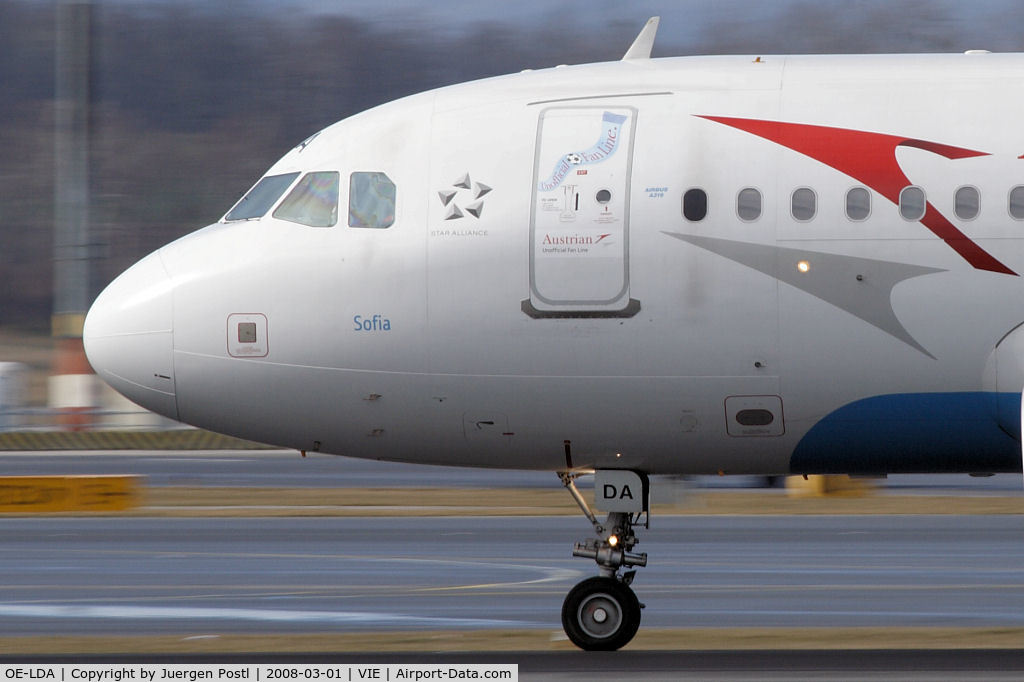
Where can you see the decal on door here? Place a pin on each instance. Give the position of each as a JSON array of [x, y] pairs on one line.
[[601, 150], [579, 222]]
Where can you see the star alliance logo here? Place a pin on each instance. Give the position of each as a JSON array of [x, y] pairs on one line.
[[462, 189]]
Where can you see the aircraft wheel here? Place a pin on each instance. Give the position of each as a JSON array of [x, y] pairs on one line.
[[601, 614]]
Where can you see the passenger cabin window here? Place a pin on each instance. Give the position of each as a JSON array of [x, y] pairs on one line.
[[695, 205], [313, 202], [858, 204], [804, 204], [371, 200], [966, 203], [912, 203], [260, 198], [748, 204], [1017, 202]]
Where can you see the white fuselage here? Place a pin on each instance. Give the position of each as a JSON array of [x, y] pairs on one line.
[[539, 282]]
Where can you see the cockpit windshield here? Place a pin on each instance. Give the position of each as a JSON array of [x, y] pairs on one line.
[[261, 197], [313, 202]]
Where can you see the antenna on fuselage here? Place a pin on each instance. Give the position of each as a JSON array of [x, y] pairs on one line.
[[644, 43]]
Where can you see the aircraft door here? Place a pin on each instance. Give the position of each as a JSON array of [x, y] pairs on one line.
[[579, 213]]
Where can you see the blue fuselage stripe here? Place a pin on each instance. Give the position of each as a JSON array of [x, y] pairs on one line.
[[915, 432]]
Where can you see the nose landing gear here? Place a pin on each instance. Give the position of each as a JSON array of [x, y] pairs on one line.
[[603, 613]]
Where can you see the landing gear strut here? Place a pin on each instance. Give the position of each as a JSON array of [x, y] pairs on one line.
[[603, 613]]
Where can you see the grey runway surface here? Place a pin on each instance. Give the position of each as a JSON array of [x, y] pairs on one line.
[[263, 468], [198, 577]]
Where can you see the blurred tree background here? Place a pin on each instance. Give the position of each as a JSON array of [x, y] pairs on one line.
[[193, 101]]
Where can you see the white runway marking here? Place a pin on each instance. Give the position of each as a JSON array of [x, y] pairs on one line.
[[261, 615]]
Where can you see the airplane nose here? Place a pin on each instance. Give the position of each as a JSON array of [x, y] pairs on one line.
[[128, 336]]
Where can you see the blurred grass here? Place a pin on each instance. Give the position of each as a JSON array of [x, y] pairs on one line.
[[178, 439], [434, 641], [365, 502]]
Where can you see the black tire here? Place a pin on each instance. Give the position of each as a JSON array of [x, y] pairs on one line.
[[601, 614]]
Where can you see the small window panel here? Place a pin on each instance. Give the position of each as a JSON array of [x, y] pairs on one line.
[[804, 204], [695, 205], [912, 203], [1017, 202], [753, 416], [371, 200], [261, 197], [247, 335], [313, 202], [967, 202], [748, 204], [858, 204], [247, 332]]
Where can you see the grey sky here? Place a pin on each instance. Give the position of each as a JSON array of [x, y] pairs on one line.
[[682, 21], [687, 26]]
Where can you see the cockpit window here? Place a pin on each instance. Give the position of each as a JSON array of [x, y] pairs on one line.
[[313, 202], [371, 200], [261, 197]]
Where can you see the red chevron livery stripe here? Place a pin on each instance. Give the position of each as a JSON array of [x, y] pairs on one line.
[[870, 158]]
